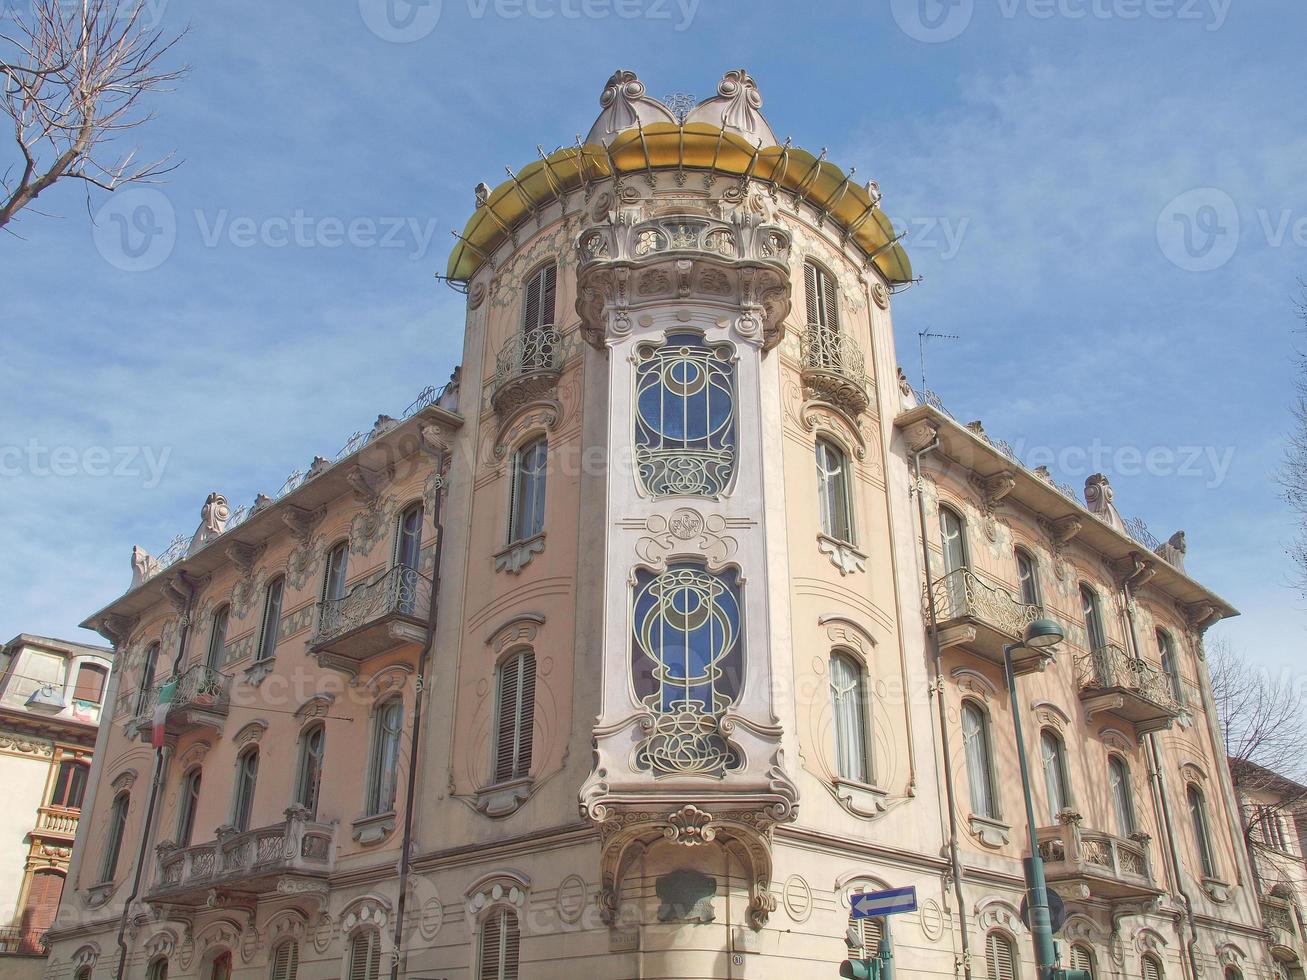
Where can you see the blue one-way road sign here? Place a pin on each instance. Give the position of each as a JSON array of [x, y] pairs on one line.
[[869, 904]]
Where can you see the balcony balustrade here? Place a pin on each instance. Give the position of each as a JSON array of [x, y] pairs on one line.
[[1281, 922], [57, 821], [982, 618], [527, 368], [833, 368], [373, 618], [250, 863], [1100, 864], [1116, 683], [202, 699], [23, 942]]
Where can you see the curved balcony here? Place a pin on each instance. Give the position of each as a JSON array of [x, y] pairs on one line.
[[527, 368], [982, 618], [202, 699], [834, 369], [372, 618], [1100, 864], [1113, 682], [252, 862]]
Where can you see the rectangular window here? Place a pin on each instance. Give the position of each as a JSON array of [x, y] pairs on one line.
[[247, 774], [90, 683], [527, 517], [114, 841], [515, 717], [271, 619], [217, 639], [819, 292], [538, 302], [833, 492], [500, 946]]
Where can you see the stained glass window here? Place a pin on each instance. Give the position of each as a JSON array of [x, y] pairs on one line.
[[687, 665], [685, 417]]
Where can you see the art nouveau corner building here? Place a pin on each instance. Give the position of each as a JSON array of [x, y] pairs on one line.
[[671, 624]]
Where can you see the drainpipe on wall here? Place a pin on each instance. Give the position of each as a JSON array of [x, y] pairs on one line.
[[419, 696], [955, 861], [156, 784], [1154, 757]]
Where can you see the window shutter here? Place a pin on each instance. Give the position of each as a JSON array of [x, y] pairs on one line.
[[512, 947], [872, 932], [526, 714], [999, 957], [286, 961], [364, 955], [505, 736], [810, 294], [830, 304], [42, 904], [1082, 959], [90, 683], [491, 938], [1152, 969], [548, 288]]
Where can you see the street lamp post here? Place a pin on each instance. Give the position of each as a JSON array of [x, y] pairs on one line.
[[1042, 634]]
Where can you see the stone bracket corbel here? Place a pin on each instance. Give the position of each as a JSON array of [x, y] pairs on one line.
[[301, 521], [994, 488], [243, 555], [367, 483], [921, 434]]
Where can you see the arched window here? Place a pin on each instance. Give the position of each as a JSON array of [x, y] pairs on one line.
[[500, 946], [833, 491], [308, 778], [980, 772], [284, 964], [83, 973], [848, 695], [1096, 635], [687, 664], [953, 539], [408, 537], [145, 693], [270, 628], [538, 299], [217, 638], [1202, 833], [526, 511], [70, 785], [684, 417], [188, 804], [158, 969], [1170, 667], [364, 955], [1082, 958], [1001, 957], [247, 774], [1056, 781], [90, 683], [1028, 577], [221, 966], [1123, 801], [43, 893], [515, 716], [1152, 967], [387, 729], [821, 296], [113, 842], [870, 933], [1233, 973], [333, 576]]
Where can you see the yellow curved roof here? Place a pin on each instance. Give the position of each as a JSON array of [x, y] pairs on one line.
[[695, 146]]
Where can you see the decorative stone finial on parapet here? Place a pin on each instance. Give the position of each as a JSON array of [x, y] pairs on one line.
[[144, 565], [625, 106], [1098, 497], [735, 109], [213, 521], [482, 193], [1173, 550]]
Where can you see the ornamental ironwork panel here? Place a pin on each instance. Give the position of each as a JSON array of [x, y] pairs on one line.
[[528, 364], [1109, 666], [687, 663], [402, 590], [685, 417], [963, 593]]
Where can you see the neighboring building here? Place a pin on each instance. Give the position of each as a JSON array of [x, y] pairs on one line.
[[1274, 827], [50, 696], [683, 697]]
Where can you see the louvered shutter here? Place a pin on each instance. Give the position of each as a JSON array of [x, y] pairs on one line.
[[531, 305], [1082, 959], [999, 957], [526, 714], [548, 287], [90, 683], [286, 961], [829, 305], [1152, 969], [507, 721], [872, 932], [374, 956], [491, 939], [810, 294], [364, 955], [42, 904], [512, 947]]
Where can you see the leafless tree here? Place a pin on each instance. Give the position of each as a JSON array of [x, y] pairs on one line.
[[76, 74], [1293, 476]]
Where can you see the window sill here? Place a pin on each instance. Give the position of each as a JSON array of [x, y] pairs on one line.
[[374, 829], [842, 555], [100, 893], [1218, 891], [991, 833], [501, 799], [257, 672], [860, 799], [518, 555]]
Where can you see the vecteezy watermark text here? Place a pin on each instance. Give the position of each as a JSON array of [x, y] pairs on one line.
[[937, 21], [406, 21], [1201, 229], [1208, 463], [120, 462]]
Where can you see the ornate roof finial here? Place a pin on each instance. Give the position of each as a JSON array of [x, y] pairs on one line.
[[735, 108], [1098, 497], [625, 106]]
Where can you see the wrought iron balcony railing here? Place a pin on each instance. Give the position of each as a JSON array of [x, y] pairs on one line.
[[1110, 866], [249, 862], [373, 617], [834, 369], [202, 697], [981, 616], [1281, 918], [1113, 681], [526, 368]]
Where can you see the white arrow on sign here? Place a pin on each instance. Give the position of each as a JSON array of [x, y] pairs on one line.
[[889, 902]]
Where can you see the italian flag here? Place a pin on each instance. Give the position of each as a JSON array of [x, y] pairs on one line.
[[166, 693]]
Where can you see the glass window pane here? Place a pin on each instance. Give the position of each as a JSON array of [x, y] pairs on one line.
[[975, 735], [833, 492], [849, 717]]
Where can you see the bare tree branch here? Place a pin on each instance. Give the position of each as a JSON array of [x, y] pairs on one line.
[[74, 76]]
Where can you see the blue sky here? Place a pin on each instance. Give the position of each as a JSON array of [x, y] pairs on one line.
[[1104, 197]]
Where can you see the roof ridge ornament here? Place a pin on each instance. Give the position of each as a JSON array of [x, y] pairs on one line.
[[625, 106], [735, 108]]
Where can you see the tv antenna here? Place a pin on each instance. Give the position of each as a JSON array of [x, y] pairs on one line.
[[922, 337]]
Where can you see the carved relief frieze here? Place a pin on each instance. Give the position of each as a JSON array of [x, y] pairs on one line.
[[683, 531]]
